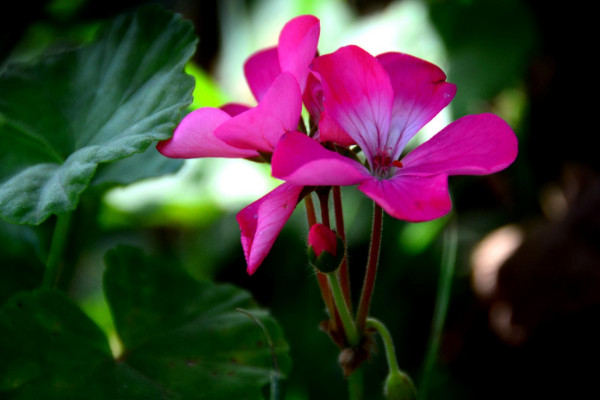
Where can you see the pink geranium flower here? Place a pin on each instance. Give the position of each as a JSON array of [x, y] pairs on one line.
[[276, 77], [381, 103]]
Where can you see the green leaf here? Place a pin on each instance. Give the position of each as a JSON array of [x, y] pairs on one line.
[[23, 249], [139, 166], [104, 102], [49, 349], [186, 336], [181, 339]]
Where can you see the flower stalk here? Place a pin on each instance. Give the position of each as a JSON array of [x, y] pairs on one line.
[[323, 194], [356, 385], [370, 275], [398, 385], [388, 343], [321, 278], [57, 247], [343, 273], [344, 313]]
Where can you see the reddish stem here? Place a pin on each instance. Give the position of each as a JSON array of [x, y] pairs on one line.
[[323, 195], [310, 210], [343, 272], [369, 282], [321, 278]]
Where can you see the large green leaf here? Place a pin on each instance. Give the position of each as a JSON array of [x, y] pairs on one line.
[[49, 349], [186, 336], [68, 113], [182, 339]]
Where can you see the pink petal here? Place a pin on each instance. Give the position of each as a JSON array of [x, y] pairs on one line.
[[261, 70], [410, 198], [194, 137], [297, 46], [304, 161], [420, 93], [358, 96], [261, 222], [234, 109], [321, 238], [330, 131], [261, 127], [472, 145], [312, 97]]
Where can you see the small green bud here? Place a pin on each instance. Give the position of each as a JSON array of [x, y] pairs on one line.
[[398, 386]]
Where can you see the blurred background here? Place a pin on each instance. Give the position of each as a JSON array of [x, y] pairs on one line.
[[525, 292]]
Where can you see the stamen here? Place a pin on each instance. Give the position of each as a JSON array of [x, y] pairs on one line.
[[382, 162]]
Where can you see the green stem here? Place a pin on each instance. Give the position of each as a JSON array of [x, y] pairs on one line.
[[369, 282], [356, 385], [57, 247], [441, 305], [342, 308], [388, 343]]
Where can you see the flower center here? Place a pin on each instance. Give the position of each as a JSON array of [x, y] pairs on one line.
[[382, 163]]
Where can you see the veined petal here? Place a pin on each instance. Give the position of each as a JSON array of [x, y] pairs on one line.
[[194, 137], [261, 222], [261, 70], [261, 127], [304, 161], [410, 198], [472, 145], [358, 96], [298, 46], [420, 93]]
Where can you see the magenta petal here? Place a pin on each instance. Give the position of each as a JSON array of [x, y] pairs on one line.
[[234, 109], [411, 198], [312, 97], [261, 222], [358, 96], [194, 137], [261, 70], [472, 145], [297, 46], [304, 161], [420, 93], [321, 238], [261, 127], [330, 131]]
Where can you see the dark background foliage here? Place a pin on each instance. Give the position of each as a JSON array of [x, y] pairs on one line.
[[550, 284]]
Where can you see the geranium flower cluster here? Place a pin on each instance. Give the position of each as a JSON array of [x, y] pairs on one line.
[[363, 111]]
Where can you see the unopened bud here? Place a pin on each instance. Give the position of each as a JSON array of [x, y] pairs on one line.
[[398, 386], [325, 248]]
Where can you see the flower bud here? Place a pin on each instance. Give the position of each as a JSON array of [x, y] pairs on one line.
[[325, 248], [398, 386]]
